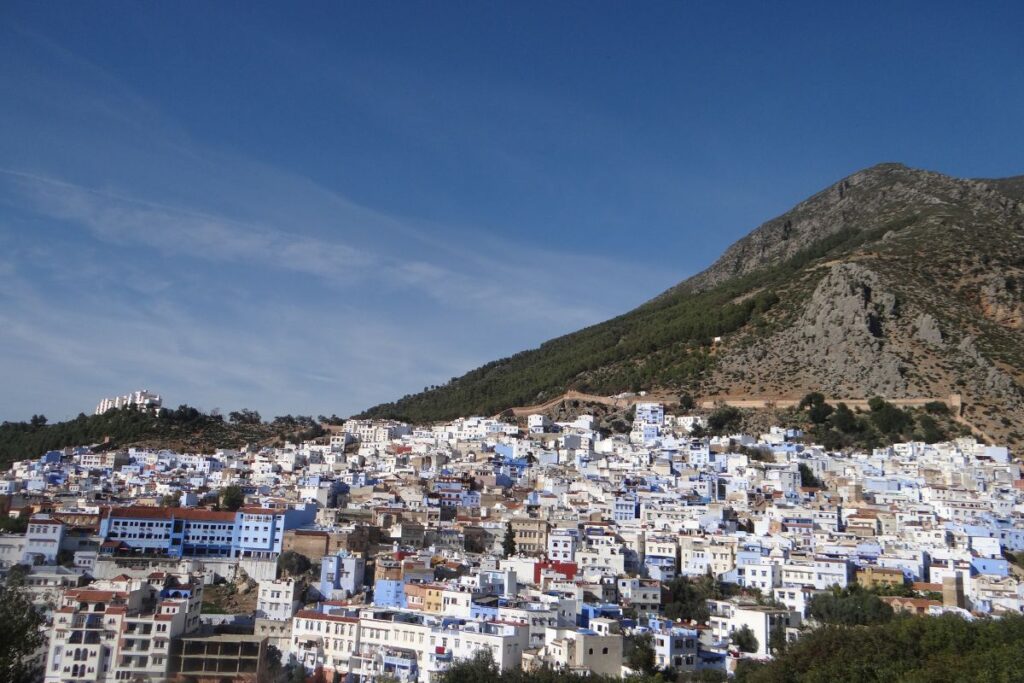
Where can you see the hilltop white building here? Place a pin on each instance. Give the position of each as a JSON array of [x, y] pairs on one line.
[[143, 399]]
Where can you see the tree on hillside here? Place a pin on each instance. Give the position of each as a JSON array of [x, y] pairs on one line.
[[843, 419], [245, 417], [808, 479], [640, 653], [744, 639], [479, 669], [850, 606], [171, 500], [817, 409], [686, 598], [812, 399], [19, 632], [508, 544], [232, 497], [930, 430], [726, 418], [944, 648], [777, 642], [888, 418], [293, 563]]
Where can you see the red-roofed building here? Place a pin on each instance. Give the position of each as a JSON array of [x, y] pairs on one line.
[[121, 629]]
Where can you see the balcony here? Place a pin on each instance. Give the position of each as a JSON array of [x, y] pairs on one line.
[[87, 621], [136, 646], [84, 638]]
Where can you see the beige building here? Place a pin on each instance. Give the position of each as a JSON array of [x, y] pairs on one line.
[[595, 650], [531, 535], [121, 629]]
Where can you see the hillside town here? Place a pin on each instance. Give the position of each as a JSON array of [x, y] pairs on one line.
[[390, 551]]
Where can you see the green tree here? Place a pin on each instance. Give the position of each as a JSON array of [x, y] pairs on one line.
[[777, 642], [808, 479], [508, 544], [232, 497], [819, 413], [843, 419], [686, 598], [890, 420], [919, 649], [14, 525], [479, 669], [297, 674], [726, 418], [19, 632], [744, 639], [293, 563], [930, 430], [640, 653], [815, 398], [850, 606], [17, 574], [245, 416], [273, 672]]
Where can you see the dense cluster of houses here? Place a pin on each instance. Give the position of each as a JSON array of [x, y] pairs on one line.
[[546, 544]]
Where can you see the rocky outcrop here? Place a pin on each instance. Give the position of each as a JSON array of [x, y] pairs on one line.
[[839, 344], [843, 327], [926, 329], [1001, 300]]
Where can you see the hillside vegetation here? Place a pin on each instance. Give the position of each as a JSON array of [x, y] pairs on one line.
[[184, 428], [665, 342], [904, 650], [907, 649], [893, 282]]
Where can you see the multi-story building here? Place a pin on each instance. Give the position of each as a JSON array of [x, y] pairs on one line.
[[141, 399], [188, 532], [675, 647], [170, 531], [595, 650], [260, 531], [121, 630], [531, 535], [764, 621], [341, 575], [325, 640], [278, 599], [562, 545]]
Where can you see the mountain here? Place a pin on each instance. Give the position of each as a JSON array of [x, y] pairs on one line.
[[893, 281]]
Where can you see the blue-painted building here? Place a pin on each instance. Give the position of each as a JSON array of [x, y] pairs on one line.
[[186, 532], [341, 575], [595, 611]]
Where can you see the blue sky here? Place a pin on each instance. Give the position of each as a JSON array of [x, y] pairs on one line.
[[313, 207]]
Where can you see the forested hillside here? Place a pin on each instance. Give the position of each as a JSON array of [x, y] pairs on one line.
[[185, 428]]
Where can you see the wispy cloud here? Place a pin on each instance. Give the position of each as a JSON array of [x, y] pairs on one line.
[[135, 256]]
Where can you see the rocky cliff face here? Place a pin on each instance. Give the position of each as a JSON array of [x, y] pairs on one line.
[[930, 308], [844, 343]]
